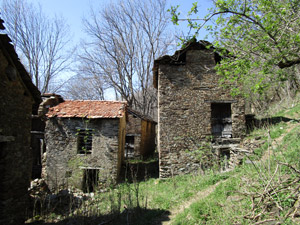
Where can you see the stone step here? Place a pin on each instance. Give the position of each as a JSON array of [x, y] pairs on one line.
[[225, 146], [227, 141]]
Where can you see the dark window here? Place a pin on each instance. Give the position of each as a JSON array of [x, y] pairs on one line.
[[129, 146], [84, 141]]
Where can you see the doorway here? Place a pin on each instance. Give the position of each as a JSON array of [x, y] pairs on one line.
[[90, 180], [221, 122]]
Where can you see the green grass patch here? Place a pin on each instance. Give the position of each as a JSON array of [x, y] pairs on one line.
[[230, 202]]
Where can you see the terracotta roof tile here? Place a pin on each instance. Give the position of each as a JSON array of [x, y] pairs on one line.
[[88, 108]]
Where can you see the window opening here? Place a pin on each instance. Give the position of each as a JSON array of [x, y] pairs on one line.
[[84, 141], [129, 146]]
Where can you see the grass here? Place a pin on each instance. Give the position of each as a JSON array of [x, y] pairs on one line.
[[234, 202], [265, 190]]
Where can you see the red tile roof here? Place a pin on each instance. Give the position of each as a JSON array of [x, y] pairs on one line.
[[89, 109]]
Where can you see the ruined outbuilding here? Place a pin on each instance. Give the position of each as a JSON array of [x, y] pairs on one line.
[[193, 108], [19, 99], [140, 135], [84, 143], [38, 146]]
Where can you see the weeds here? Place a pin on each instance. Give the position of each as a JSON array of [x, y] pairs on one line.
[[263, 192]]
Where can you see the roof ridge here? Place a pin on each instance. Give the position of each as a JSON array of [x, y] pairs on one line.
[[88, 108], [85, 100]]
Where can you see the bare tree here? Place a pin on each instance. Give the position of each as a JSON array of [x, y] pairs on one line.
[[85, 87], [39, 41], [127, 36]]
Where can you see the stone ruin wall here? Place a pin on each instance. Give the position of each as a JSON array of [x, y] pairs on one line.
[[15, 155], [133, 127], [185, 93], [64, 167]]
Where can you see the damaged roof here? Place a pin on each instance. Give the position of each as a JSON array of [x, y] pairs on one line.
[[178, 57], [140, 115], [10, 53], [88, 108]]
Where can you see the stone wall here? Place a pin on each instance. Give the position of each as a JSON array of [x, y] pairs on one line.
[[133, 129], [65, 167], [186, 91], [15, 155], [133, 125]]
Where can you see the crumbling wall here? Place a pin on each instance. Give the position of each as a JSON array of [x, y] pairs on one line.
[[133, 128], [65, 167], [186, 91]]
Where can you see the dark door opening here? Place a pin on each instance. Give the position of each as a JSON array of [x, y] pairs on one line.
[[221, 122], [38, 148], [90, 180]]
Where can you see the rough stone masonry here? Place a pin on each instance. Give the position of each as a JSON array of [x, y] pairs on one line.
[[188, 93]]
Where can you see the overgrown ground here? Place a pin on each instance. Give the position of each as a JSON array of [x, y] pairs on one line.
[[264, 190]]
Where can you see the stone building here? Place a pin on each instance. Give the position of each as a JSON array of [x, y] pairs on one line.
[[37, 132], [193, 107], [84, 143], [19, 98], [140, 135]]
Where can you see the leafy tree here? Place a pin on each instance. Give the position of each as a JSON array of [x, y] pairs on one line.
[[261, 38]]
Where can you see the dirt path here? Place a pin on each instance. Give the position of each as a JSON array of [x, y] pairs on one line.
[[203, 194], [200, 195]]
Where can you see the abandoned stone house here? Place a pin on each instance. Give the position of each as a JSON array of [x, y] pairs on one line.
[[19, 99], [192, 107], [84, 143], [140, 135], [38, 146]]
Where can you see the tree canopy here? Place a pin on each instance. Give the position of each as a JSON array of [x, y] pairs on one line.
[[261, 38]]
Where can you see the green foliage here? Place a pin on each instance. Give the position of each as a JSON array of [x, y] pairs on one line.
[[74, 165], [262, 36], [175, 14], [84, 138]]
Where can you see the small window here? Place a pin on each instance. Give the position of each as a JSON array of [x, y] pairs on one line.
[[84, 141]]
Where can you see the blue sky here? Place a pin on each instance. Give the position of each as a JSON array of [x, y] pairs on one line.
[[74, 10]]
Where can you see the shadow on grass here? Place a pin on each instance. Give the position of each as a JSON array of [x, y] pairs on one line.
[[252, 122], [137, 216], [140, 171]]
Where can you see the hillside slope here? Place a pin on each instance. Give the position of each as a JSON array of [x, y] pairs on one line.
[[263, 190]]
